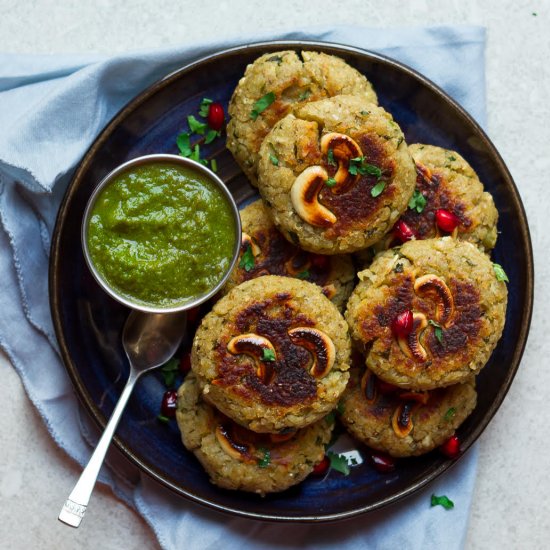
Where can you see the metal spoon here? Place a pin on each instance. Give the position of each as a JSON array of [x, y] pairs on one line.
[[149, 340]]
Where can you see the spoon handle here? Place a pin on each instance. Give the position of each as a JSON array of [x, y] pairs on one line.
[[75, 506]]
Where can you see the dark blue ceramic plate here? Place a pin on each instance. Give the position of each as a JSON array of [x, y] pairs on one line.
[[88, 323]]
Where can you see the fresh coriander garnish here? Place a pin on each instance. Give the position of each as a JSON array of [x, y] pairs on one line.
[[437, 330], [398, 268], [303, 274], [169, 371], [359, 165], [265, 461], [204, 106], [163, 419], [500, 273], [418, 201], [261, 105], [304, 95], [449, 414], [268, 354], [274, 160], [331, 182], [451, 158], [196, 126], [338, 463], [247, 259], [365, 113], [378, 188], [214, 165], [442, 501], [330, 158], [184, 144], [211, 135]]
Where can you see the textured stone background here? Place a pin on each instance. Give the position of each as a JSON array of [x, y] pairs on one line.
[[511, 505]]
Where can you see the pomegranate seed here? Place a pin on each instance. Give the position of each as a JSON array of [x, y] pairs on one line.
[[402, 325], [322, 467], [216, 116], [446, 220], [451, 447], [403, 232], [322, 263], [169, 403], [382, 463], [193, 315], [185, 363]]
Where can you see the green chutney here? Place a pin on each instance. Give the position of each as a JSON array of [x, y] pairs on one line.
[[161, 234]]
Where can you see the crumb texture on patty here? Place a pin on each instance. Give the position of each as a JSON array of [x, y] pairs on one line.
[[458, 306], [342, 176], [272, 354], [237, 458], [400, 422], [294, 78], [264, 251]]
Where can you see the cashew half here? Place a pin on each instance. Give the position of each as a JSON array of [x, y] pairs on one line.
[[257, 347], [319, 345], [401, 421], [410, 345], [246, 240], [304, 195], [433, 286], [343, 150], [236, 450]]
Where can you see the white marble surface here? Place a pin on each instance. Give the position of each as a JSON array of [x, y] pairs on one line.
[[511, 506]]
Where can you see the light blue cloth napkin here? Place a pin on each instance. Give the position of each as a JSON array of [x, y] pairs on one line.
[[51, 109]]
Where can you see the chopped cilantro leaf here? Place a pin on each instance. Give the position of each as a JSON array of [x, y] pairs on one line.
[[359, 165], [452, 158], [195, 126], [418, 201], [265, 461], [437, 330], [169, 371], [211, 135], [274, 160], [261, 105], [196, 153], [365, 113], [204, 107], [338, 463], [450, 414], [247, 259], [268, 354], [303, 274], [304, 95], [330, 158], [398, 268], [214, 165], [378, 188], [331, 182], [184, 144], [442, 501], [500, 273]]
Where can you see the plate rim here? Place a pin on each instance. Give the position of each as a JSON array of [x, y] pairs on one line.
[[132, 105]]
